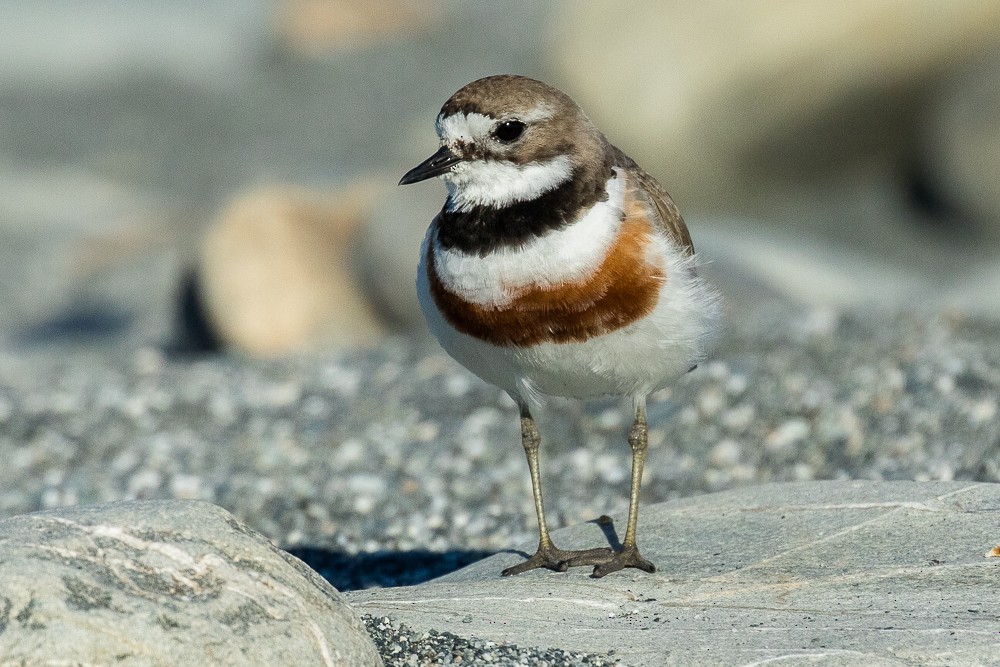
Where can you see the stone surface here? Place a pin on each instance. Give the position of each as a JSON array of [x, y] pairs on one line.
[[830, 573], [276, 272], [164, 583]]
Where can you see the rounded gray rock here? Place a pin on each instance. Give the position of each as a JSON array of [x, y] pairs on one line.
[[164, 583]]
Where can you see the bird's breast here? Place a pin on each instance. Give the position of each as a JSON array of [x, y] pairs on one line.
[[613, 281]]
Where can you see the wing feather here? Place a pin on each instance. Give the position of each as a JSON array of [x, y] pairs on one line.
[[668, 217]]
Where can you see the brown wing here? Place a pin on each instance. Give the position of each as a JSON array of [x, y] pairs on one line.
[[669, 220]]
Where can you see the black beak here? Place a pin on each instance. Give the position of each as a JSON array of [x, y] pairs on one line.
[[437, 164]]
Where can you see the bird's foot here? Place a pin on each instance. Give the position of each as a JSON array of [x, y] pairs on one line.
[[559, 560], [627, 557]]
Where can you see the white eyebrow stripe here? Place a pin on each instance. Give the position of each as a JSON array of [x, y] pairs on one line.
[[541, 112], [463, 127], [472, 126]]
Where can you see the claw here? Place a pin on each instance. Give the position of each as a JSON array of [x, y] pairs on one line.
[[551, 558], [627, 557]]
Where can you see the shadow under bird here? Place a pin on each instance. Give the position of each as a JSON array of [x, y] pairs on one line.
[[557, 266]]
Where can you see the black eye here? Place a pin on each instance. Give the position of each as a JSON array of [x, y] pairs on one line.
[[508, 130]]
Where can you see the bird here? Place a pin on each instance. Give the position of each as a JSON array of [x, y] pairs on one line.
[[558, 267]]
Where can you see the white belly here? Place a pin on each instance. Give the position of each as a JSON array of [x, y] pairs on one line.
[[632, 361]]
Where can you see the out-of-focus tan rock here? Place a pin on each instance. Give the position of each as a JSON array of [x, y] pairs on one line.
[[312, 27], [276, 276], [724, 99], [962, 150]]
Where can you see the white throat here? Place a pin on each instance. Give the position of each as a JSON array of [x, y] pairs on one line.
[[499, 183]]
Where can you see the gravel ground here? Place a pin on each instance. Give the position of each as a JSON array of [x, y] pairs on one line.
[[400, 449], [392, 466], [402, 647]]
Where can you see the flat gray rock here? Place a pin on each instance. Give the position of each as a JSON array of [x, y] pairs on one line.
[[164, 583], [832, 573]]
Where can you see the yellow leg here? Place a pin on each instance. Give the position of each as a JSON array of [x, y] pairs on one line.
[[638, 439], [547, 555]]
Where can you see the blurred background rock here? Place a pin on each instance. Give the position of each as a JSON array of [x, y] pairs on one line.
[[212, 174]]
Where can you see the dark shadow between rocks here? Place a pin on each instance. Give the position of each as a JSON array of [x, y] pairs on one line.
[[194, 332], [347, 572]]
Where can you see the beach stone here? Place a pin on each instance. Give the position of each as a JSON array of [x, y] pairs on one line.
[[314, 27], [164, 583], [807, 116], [716, 99], [275, 272], [830, 573]]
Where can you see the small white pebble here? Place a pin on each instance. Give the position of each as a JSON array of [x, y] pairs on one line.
[[944, 384], [688, 415], [725, 453], [474, 446], [341, 380], [942, 472], [457, 385], [363, 504], [979, 413], [366, 484], [134, 407], [426, 431], [820, 322], [222, 408], [349, 451], [717, 370], [144, 482], [149, 360], [185, 487], [582, 462], [282, 395], [610, 419], [266, 487], [609, 468], [739, 418], [803, 472], [51, 498], [736, 385], [711, 401], [787, 435]]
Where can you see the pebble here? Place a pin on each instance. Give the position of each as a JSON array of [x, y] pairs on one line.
[[360, 453], [786, 435], [788, 395], [402, 647]]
